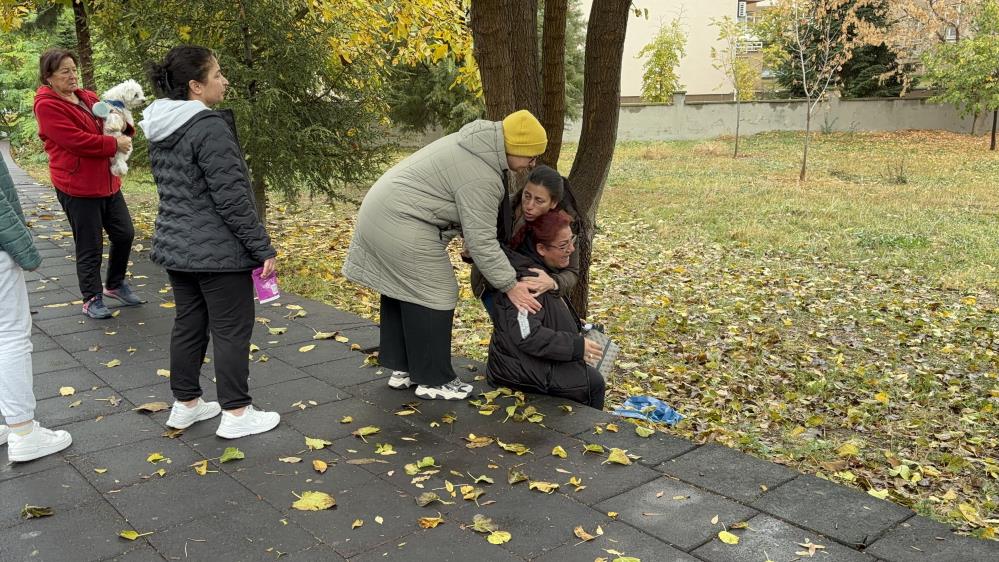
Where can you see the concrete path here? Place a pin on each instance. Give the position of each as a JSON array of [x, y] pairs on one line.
[[670, 504]]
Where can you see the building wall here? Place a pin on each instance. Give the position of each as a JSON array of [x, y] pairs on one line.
[[705, 120], [697, 75]]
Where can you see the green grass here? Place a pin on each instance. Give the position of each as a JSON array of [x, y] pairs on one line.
[[847, 326]]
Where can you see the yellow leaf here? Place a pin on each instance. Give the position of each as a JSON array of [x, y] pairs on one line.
[[378, 519], [346, 419], [201, 467], [290, 460], [161, 472], [384, 449], [100, 470], [714, 520], [970, 514], [112, 363], [558, 451], [313, 501], [618, 456], [319, 466], [277, 331], [880, 494], [514, 447], [881, 397], [151, 407], [848, 450], [581, 533], [163, 373], [644, 431], [315, 443], [498, 537], [168, 305], [155, 458], [357, 523], [324, 335], [67, 391], [365, 431], [430, 522], [306, 348], [132, 535], [727, 537], [612, 427], [546, 487]]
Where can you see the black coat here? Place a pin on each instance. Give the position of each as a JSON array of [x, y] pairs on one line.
[[540, 352], [207, 220]]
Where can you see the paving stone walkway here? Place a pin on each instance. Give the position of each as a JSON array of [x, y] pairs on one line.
[[665, 502]]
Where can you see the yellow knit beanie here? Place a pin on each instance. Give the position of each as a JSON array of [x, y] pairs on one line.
[[523, 134]]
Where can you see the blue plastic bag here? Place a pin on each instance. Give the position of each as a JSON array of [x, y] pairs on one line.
[[648, 408]]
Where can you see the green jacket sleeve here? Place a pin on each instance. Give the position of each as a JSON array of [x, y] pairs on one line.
[[15, 238]]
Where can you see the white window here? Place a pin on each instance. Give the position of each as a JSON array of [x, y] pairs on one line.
[[951, 34], [742, 9]]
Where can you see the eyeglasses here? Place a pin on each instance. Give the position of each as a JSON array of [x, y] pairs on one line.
[[566, 246]]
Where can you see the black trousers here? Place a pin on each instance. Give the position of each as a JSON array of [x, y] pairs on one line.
[[416, 339], [220, 304], [89, 218], [572, 380]]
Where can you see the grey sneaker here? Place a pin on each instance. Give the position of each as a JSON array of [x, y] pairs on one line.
[[124, 294], [400, 380], [454, 390], [95, 308]]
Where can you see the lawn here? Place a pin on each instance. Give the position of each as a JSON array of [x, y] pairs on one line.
[[847, 326]]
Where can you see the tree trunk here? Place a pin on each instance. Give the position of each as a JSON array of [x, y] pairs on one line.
[[738, 115], [523, 59], [553, 78], [84, 47], [808, 134], [601, 105], [995, 116], [491, 33]]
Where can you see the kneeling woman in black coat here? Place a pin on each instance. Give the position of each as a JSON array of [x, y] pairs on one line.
[[544, 353]]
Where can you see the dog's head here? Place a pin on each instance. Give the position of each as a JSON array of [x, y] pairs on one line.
[[128, 92]]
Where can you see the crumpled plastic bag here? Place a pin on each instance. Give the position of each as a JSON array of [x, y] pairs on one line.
[[648, 408]]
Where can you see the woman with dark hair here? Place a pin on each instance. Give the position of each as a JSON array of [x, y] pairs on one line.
[[80, 168], [544, 191], [208, 237], [545, 352]]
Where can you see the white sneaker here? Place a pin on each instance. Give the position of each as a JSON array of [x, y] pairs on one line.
[[251, 422], [4, 432], [39, 443], [400, 380], [182, 417], [454, 390]]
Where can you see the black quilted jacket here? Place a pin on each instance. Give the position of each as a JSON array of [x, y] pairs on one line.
[[206, 220]]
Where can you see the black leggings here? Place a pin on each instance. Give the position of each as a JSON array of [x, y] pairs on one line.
[[88, 218], [416, 339]]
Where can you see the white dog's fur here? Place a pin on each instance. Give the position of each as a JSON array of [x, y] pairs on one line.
[[118, 102]]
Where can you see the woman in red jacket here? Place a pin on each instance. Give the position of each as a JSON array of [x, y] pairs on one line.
[[79, 164]]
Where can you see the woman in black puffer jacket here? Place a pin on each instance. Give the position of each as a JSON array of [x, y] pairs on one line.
[[544, 353], [208, 237]]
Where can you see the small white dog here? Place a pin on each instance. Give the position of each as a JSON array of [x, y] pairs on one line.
[[115, 108]]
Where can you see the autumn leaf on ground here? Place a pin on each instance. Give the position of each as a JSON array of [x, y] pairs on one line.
[[517, 448], [201, 467], [100, 470], [483, 478], [471, 493], [618, 456], [324, 335], [151, 407], [430, 522], [155, 458], [132, 535], [644, 431], [812, 548], [313, 501], [581, 533], [365, 431], [515, 476], [35, 511], [75, 404], [357, 523], [112, 363], [427, 498], [546, 487], [290, 460], [346, 419], [378, 519], [475, 441], [277, 331], [231, 454], [727, 537], [163, 373], [848, 450], [316, 443], [384, 449], [558, 451], [483, 524], [67, 391], [319, 466], [307, 348], [498, 537], [172, 433], [593, 448]]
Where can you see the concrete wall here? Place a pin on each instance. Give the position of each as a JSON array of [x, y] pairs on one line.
[[697, 74], [704, 120]]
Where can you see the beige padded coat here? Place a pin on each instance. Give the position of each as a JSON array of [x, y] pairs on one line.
[[450, 187]]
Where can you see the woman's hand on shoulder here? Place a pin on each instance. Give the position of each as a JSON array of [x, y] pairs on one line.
[[540, 284]]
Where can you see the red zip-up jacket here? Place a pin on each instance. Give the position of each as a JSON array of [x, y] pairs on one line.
[[79, 152]]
